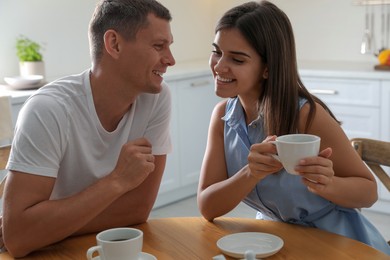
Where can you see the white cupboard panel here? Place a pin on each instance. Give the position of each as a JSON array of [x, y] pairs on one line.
[[171, 177], [345, 91], [385, 133], [358, 121], [385, 109], [196, 103]]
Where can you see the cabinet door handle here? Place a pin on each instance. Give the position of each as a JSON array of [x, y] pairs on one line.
[[323, 91], [200, 83]]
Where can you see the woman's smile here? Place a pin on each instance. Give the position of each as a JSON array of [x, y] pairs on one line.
[[223, 79]]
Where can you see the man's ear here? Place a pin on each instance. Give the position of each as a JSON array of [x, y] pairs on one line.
[[112, 43]]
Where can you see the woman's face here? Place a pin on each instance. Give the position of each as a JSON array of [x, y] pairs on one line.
[[236, 66]]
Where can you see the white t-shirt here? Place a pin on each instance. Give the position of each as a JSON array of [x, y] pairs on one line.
[[58, 133]]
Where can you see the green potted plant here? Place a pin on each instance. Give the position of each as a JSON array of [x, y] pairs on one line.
[[27, 50], [30, 57]]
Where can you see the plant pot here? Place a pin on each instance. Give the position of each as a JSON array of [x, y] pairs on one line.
[[32, 68]]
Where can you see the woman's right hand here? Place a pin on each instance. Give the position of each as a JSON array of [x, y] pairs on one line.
[[260, 161]]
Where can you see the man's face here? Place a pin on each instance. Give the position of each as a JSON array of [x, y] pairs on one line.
[[143, 61]]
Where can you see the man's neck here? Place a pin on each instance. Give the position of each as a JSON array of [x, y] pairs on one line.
[[110, 100]]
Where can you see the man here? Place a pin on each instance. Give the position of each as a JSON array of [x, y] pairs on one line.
[[90, 149]]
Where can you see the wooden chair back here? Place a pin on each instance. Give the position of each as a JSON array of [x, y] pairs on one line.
[[4, 154], [375, 154]]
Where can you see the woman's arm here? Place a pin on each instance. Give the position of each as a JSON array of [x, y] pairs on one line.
[[218, 194]]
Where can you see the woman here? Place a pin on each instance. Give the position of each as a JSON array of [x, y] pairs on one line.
[[255, 69]]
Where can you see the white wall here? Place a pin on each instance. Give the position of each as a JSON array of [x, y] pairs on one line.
[[61, 26], [325, 30], [329, 30], [191, 28]]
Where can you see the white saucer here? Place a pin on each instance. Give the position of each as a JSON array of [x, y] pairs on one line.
[[262, 244], [143, 256], [24, 82]]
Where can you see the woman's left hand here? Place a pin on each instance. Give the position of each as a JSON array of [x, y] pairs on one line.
[[317, 172]]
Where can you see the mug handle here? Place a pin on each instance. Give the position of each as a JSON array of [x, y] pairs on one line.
[[92, 250], [274, 155]]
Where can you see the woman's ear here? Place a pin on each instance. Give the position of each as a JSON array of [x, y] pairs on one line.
[[265, 73], [112, 43]]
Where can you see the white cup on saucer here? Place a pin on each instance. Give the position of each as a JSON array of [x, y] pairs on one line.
[[117, 244], [294, 147]]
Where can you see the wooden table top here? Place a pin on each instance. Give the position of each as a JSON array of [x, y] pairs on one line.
[[195, 238]]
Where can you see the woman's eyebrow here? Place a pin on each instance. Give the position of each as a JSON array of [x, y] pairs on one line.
[[215, 45], [240, 53], [233, 52]]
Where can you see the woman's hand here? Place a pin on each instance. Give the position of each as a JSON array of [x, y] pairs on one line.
[[317, 172], [260, 161]]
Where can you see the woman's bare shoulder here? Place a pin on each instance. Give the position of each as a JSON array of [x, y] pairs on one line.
[[220, 109]]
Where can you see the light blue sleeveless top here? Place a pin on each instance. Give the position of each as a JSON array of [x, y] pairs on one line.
[[282, 196]]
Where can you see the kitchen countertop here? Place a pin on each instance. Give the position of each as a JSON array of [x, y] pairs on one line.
[[343, 69], [187, 69], [17, 95]]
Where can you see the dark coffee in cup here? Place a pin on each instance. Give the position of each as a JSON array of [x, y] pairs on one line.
[[117, 244]]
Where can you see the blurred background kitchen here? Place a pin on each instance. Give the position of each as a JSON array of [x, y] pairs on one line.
[[325, 30], [328, 35]]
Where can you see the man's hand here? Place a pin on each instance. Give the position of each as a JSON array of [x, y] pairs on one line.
[[135, 162]]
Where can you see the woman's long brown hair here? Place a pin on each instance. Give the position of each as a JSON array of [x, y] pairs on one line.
[[269, 31]]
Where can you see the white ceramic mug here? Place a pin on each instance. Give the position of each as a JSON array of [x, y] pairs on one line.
[[294, 147], [117, 244]]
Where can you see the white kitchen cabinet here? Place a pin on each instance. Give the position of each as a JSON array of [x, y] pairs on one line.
[[18, 97], [358, 121], [196, 100], [193, 100], [171, 177], [356, 103], [385, 105], [17, 100], [385, 130]]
